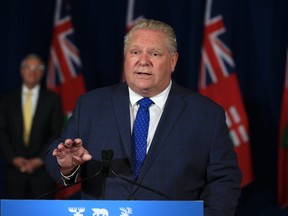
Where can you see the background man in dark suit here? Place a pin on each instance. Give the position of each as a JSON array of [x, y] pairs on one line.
[[189, 155], [23, 146]]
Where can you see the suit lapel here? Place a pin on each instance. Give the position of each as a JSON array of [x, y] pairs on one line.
[[172, 110], [122, 113], [19, 115], [38, 113], [18, 107], [39, 105]]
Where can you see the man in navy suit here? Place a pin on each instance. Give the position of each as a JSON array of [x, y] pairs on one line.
[[25, 174], [189, 155]]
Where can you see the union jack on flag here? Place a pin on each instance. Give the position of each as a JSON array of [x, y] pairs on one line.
[[64, 67], [219, 82], [217, 61]]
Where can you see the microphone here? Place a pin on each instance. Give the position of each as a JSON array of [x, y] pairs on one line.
[[107, 156]]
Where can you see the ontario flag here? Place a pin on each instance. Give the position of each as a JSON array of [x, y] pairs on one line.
[[283, 147], [134, 9], [64, 69], [134, 13], [219, 82]]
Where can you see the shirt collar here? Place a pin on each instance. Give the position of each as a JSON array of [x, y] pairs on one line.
[[34, 90], [159, 99]]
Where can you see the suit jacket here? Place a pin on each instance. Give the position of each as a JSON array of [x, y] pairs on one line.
[[190, 158], [47, 125]]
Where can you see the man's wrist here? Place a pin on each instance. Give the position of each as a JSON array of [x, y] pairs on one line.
[[71, 178]]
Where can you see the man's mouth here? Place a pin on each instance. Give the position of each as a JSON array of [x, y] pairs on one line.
[[143, 73]]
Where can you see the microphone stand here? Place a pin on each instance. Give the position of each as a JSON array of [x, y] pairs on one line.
[[70, 185], [105, 169], [107, 156], [140, 185]]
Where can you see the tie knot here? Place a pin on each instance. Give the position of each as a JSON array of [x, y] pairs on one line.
[[145, 102], [28, 94]]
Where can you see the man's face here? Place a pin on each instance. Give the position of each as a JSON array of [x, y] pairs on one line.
[[32, 72], [148, 64]]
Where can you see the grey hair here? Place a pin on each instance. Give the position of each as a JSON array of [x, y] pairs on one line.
[[35, 56], [154, 25]]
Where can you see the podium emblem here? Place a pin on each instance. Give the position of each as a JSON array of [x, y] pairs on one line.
[[126, 211], [76, 211], [100, 212]]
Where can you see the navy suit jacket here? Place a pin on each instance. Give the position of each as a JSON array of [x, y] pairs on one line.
[[190, 158]]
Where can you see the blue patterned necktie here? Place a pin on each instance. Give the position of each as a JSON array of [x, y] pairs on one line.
[[139, 135]]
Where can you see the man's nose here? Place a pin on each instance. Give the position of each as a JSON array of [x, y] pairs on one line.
[[144, 60]]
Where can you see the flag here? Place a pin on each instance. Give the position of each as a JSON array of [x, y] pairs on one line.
[[64, 68], [283, 147], [219, 82], [134, 14]]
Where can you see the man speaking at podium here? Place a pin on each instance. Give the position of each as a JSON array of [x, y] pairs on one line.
[[167, 142]]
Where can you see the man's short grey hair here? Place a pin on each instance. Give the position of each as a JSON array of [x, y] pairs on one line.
[[35, 56], [154, 25]]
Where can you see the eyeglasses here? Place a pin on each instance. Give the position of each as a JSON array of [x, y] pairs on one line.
[[33, 68]]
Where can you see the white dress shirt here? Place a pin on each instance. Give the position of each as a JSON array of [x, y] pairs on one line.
[[155, 111]]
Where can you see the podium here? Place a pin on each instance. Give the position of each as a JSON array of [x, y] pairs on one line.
[[100, 208]]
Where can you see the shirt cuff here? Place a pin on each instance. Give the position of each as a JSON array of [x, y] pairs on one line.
[[72, 178]]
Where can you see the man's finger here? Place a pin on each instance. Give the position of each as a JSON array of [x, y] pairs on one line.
[[68, 143], [77, 142]]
